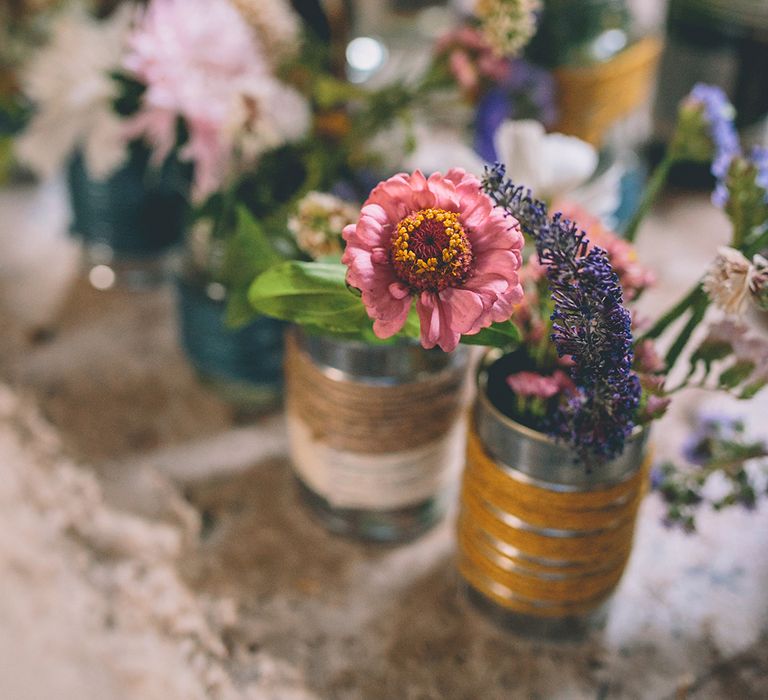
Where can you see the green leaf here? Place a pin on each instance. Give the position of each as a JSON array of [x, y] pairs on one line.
[[249, 252], [239, 311], [746, 206], [752, 389], [736, 374], [498, 335], [708, 352], [310, 294]]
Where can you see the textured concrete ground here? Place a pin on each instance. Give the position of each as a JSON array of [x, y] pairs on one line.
[[318, 616]]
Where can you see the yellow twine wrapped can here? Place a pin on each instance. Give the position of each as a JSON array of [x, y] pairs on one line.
[[592, 98], [543, 541]]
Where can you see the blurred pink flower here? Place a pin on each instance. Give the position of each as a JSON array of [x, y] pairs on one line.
[[634, 276], [201, 62], [471, 59], [647, 358], [442, 241], [539, 385]]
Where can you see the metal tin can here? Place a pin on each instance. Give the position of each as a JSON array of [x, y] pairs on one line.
[[543, 541], [244, 366], [130, 221], [376, 432]]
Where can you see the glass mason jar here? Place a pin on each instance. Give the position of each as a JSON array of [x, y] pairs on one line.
[[723, 42], [376, 433], [542, 541], [130, 221]]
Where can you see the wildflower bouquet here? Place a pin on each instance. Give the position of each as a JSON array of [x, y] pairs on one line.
[[627, 383], [440, 258]]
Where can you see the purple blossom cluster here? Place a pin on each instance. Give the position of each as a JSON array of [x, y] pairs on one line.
[[590, 325], [759, 157], [718, 113], [527, 92]]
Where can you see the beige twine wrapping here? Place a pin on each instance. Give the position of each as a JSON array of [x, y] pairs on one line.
[[366, 418]]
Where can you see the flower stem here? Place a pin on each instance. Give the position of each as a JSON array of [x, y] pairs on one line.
[[758, 245], [652, 190], [699, 309], [694, 296]]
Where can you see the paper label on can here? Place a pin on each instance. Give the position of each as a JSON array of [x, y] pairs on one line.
[[375, 481]]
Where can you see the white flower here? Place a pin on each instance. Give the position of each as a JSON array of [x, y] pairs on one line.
[[508, 25], [439, 150], [69, 82], [318, 223], [551, 165], [267, 114], [749, 345], [730, 279], [275, 22]]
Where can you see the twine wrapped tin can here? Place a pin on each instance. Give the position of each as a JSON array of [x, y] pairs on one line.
[[593, 98], [242, 365], [376, 432], [132, 219], [543, 541]]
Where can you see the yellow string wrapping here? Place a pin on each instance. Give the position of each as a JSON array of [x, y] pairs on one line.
[[591, 98], [507, 555]]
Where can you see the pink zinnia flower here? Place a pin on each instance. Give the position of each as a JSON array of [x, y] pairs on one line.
[[441, 241], [539, 385]]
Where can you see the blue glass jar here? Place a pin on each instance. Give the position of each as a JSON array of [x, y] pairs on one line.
[[243, 365], [129, 221]]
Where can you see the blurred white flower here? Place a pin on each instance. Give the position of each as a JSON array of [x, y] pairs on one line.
[[266, 115], [508, 25], [70, 84], [276, 23], [551, 165], [439, 150], [749, 344], [730, 279], [318, 223]]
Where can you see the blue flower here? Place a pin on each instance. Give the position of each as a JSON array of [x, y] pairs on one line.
[[590, 324], [718, 115], [759, 158], [527, 93]]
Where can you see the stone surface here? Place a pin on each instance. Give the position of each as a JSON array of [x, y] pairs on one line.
[[322, 617]]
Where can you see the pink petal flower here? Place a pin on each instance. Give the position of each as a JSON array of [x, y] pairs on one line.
[[441, 241], [200, 62], [534, 384]]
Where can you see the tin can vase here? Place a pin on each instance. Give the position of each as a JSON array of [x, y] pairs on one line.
[[130, 221], [376, 433], [244, 366], [542, 541]]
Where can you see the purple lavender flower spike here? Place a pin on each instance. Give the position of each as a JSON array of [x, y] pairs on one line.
[[718, 113], [590, 324], [759, 156]]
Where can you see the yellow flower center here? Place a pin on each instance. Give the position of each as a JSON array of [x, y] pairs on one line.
[[431, 251]]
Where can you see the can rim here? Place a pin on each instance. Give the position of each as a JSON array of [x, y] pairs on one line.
[[481, 379]]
